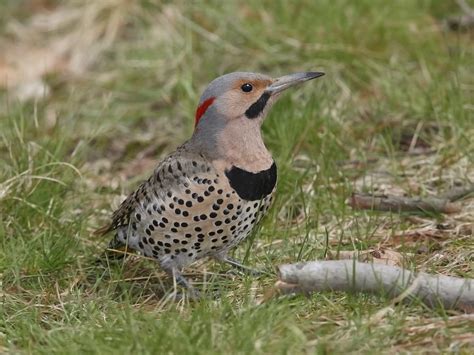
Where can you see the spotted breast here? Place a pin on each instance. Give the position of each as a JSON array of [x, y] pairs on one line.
[[188, 210]]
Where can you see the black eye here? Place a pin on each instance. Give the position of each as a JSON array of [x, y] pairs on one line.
[[247, 87]]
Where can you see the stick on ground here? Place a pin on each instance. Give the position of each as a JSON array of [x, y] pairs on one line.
[[353, 276], [402, 204], [458, 193], [463, 22]]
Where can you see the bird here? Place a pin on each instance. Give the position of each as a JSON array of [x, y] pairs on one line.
[[206, 197]]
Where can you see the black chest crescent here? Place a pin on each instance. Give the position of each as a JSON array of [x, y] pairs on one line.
[[252, 186]]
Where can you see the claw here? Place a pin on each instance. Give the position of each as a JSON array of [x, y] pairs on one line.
[[180, 280], [245, 269]]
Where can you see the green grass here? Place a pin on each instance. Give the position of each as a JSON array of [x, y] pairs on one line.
[[66, 161]]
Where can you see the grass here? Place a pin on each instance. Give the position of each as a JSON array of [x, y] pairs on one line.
[[395, 77]]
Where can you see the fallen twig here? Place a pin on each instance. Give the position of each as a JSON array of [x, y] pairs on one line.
[[402, 204], [353, 276], [458, 193], [441, 204], [464, 21]]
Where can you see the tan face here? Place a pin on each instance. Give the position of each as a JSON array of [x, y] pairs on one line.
[[240, 97]]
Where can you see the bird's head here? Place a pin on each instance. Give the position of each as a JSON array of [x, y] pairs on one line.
[[230, 114], [241, 96]]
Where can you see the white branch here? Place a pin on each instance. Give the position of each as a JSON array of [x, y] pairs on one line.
[[353, 276]]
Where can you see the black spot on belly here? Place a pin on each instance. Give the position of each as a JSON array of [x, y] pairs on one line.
[[252, 186]]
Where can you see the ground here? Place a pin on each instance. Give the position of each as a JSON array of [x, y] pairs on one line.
[[98, 92]]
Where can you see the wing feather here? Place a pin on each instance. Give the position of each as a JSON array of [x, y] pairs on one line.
[[169, 175]]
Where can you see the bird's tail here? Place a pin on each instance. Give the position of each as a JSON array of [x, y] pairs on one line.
[[102, 230]]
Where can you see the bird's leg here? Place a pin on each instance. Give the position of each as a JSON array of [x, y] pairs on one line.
[[238, 265], [183, 282]]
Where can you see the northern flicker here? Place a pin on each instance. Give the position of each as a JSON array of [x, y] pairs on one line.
[[205, 197]]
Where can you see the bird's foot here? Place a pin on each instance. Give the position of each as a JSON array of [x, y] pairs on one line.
[[242, 268], [189, 293]]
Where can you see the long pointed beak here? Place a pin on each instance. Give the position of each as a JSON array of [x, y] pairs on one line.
[[287, 81]]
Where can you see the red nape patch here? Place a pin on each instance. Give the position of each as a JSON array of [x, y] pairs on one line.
[[201, 110]]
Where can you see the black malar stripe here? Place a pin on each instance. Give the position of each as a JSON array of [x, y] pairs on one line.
[[258, 106]]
